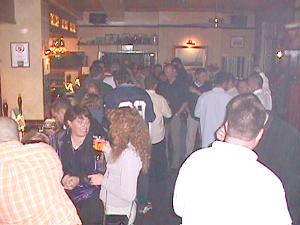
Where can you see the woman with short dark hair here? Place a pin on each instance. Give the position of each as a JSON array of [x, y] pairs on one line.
[[80, 160]]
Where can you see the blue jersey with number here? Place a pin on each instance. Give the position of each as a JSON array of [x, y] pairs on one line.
[[131, 96]]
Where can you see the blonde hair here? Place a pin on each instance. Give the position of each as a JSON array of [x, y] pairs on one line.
[[126, 125]]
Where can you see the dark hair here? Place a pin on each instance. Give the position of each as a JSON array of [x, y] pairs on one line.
[[246, 116], [121, 76], [200, 70], [96, 68], [76, 111], [59, 104], [257, 79], [220, 78], [240, 81], [176, 61], [150, 82]]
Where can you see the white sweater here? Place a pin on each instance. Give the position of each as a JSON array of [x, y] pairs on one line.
[[120, 182]]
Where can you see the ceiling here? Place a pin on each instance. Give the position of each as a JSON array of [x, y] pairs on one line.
[[182, 5]]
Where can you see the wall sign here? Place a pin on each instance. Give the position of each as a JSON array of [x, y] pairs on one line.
[[237, 42], [19, 54]]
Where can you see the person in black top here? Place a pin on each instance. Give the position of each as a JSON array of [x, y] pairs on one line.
[[176, 93], [129, 95], [200, 85], [79, 160], [279, 150], [181, 72]]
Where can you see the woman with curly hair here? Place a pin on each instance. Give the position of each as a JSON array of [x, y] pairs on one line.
[[128, 155]]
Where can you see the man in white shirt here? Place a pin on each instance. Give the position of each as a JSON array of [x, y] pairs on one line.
[[225, 184], [161, 108], [265, 86], [255, 83], [211, 107]]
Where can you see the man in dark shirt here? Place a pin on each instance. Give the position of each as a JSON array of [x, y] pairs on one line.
[[279, 149], [200, 85], [177, 96], [128, 95]]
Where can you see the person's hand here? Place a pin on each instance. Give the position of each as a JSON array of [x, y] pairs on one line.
[[70, 182], [107, 147], [96, 179], [221, 133], [73, 182]]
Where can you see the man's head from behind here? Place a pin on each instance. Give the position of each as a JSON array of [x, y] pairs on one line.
[[8, 130], [221, 79], [245, 119]]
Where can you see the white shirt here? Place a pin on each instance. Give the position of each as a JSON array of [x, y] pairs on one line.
[[265, 86], [225, 184], [110, 81], [264, 97], [211, 108], [120, 179], [161, 110]]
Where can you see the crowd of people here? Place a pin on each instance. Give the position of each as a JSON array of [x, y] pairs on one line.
[[151, 121]]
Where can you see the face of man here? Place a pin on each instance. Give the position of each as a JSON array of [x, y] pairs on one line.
[[243, 87], [201, 77], [251, 85], [59, 116], [170, 73]]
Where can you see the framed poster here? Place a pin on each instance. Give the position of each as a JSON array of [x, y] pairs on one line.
[[192, 56], [237, 42], [19, 52]]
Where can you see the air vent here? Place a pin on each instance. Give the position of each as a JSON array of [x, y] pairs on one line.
[[238, 21]]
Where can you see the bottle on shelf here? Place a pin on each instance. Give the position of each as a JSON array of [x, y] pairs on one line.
[[20, 103], [5, 108]]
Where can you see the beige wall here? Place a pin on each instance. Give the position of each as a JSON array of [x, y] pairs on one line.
[[26, 81], [217, 40]]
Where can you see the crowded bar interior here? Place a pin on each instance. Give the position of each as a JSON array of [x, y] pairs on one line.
[[172, 51]]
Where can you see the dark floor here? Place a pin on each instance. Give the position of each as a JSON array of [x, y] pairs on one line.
[[161, 194]]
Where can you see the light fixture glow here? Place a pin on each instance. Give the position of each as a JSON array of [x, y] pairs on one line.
[[279, 54], [190, 42]]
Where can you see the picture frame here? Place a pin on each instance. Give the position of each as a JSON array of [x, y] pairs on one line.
[[237, 42], [20, 55], [194, 56]]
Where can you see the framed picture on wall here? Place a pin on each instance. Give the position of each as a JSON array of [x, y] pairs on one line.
[[19, 52], [237, 42], [192, 56]]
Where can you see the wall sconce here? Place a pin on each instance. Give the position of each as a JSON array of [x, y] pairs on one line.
[[279, 54], [190, 43], [57, 49]]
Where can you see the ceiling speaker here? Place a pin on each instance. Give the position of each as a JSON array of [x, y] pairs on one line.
[[97, 18]]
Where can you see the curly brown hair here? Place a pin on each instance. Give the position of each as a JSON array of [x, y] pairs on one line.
[[127, 125]]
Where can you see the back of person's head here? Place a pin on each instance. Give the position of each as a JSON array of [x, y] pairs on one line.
[[59, 104], [220, 78], [150, 82], [127, 125], [96, 68], [245, 116], [93, 88], [8, 130], [91, 101], [231, 77], [177, 61], [255, 80], [121, 76]]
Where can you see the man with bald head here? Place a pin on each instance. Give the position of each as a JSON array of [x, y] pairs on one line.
[[30, 188]]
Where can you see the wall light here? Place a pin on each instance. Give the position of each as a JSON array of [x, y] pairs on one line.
[[279, 54], [190, 42]]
